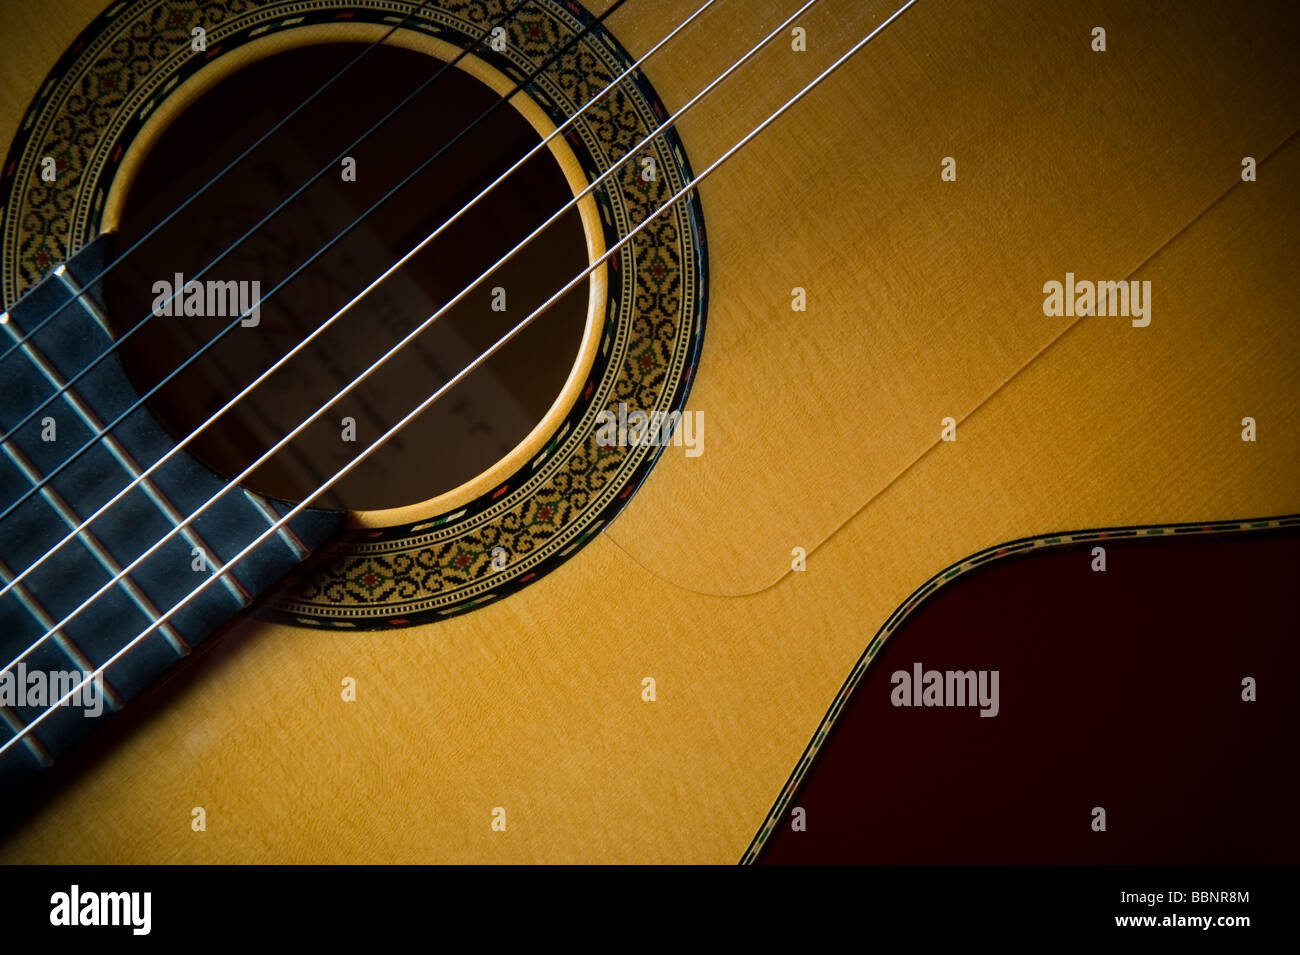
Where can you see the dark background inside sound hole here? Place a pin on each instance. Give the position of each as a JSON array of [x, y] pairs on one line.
[[473, 425]]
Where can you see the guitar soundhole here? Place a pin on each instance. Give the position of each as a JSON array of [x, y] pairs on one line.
[[478, 422]]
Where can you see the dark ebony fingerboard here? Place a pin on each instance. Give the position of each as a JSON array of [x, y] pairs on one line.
[[56, 434]]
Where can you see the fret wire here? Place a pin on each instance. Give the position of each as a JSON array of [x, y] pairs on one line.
[[86, 302], [30, 739], [285, 532]]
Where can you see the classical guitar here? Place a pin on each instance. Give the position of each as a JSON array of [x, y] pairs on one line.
[[527, 430]]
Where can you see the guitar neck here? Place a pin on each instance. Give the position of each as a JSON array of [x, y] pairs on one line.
[[146, 555]]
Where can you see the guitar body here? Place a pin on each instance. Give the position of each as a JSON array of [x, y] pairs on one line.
[[862, 309]]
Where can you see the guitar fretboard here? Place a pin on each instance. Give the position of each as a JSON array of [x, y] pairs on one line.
[[57, 469]]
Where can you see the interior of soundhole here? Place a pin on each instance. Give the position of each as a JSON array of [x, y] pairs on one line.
[[476, 423]]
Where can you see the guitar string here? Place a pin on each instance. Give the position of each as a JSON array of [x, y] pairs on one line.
[[118, 342], [362, 294], [422, 406], [4, 316]]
